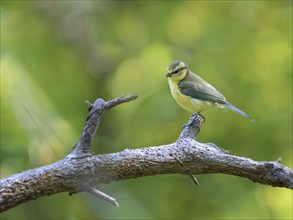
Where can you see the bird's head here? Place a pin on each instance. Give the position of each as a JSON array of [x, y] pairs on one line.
[[177, 71]]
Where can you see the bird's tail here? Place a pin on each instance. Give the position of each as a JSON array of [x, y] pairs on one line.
[[238, 111]]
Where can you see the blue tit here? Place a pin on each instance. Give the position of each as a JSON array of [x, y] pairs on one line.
[[193, 93]]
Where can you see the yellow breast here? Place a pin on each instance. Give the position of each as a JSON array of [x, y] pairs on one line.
[[186, 102]]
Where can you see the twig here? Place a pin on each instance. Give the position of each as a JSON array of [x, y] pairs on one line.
[[82, 148], [103, 196], [92, 123], [194, 180], [120, 100]]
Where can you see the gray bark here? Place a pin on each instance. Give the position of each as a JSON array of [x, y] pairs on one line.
[[81, 171]]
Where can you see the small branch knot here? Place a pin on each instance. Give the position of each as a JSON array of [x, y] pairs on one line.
[[192, 128]]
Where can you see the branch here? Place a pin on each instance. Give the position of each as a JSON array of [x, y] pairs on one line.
[[96, 112], [80, 171]]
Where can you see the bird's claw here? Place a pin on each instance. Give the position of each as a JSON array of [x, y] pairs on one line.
[[192, 119]]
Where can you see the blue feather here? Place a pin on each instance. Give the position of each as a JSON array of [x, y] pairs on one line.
[[236, 110]]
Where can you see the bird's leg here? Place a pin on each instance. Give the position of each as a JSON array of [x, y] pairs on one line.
[[191, 120]]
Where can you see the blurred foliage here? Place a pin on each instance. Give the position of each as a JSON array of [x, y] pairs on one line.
[[57, 54]]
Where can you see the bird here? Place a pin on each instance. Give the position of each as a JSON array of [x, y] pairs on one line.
[[193, 93]]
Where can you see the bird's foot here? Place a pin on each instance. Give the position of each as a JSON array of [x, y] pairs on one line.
[[192, 119], [204, 119]]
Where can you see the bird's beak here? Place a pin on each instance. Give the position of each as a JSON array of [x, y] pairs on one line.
[[168, 75]]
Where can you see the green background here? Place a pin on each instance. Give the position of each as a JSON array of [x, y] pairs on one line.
[[57, 54]]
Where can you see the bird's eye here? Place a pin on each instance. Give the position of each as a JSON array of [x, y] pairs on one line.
[[176, 71]]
